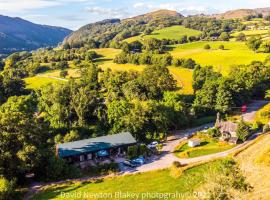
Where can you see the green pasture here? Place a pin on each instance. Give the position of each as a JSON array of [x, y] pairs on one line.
[[235, 53], [38, 82], [190, 181], [173, 33]]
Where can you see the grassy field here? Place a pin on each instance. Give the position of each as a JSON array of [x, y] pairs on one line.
[[157, 182], [251, 32], [173, 33], [38, 82], [181, 75], [235, 53], [208, 146]]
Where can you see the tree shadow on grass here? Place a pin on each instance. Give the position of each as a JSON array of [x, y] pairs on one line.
[[65, 190]]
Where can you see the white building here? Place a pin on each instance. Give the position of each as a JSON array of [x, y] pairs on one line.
[[194, 142]]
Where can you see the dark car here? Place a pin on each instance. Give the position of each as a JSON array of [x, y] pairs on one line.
[[130, 163]]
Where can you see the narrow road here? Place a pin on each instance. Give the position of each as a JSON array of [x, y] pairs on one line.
[[53, 77], [167, 157], [252, 110]]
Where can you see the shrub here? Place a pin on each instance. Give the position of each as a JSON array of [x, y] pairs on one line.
[[213, 132], [63, 73], [176, 164], [103, 169], [6, 188], [221, 47], [241, 37], [132, 152], [207, 46], [57, 169], [176, 170], [189, 63], [266, 128], [256, 126]]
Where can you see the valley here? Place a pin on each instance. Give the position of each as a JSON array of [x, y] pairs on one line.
[[155, 104]]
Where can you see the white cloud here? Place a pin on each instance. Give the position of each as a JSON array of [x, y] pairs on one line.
[[108, 12], [22, 5]]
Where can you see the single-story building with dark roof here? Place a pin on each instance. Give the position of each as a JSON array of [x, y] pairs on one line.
[[89, 151]]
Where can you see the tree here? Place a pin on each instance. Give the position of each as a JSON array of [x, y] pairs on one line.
[[156, 80], [2, 64], [241, 37], [205, 100], [125, 47], [221, 47], [23, 138], [7, 189], [189, 63], [72, 136], [91, 55], [243, 130], [266, 47], [254, 43], [224, 101], [207, 47], [201, 75], [63, 73], [224, 36]]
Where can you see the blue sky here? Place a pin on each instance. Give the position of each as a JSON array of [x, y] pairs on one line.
[[76, 13]]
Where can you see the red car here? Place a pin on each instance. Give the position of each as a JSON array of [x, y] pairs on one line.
[[244, 108]]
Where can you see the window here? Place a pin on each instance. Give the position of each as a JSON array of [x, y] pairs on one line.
[[81, 158], [89, 156]]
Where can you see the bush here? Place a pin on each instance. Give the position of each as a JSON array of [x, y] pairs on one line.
[[132, 152], [189, 63], [7, 189], [213, 132], [207, 46], [103, 169], [63, 73], [57, 169], [221, 47], [241, 37], [256, 126], [176, 170], [266, 128]]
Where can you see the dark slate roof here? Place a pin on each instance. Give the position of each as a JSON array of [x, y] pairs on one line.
[[94, 144]]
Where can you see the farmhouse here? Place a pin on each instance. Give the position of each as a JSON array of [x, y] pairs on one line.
[[90, 151], [227, 130]]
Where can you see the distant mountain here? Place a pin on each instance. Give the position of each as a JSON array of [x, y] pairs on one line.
[[17, 34], [100, 34], [241, 13]]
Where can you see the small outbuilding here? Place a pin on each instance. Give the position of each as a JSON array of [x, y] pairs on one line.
[[194, 142]]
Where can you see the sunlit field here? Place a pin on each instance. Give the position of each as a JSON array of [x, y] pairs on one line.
[[157, 181], [235, 53], [173, 32]]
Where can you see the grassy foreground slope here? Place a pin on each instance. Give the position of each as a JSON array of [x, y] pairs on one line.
[[255, 164], [173, 33], [235, 53], [157, 182]]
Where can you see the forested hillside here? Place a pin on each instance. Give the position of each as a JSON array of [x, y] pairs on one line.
[[17, 34]]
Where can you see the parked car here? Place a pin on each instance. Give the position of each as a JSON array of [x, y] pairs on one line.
[[152, 145], [130, 163], [140, 160]]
